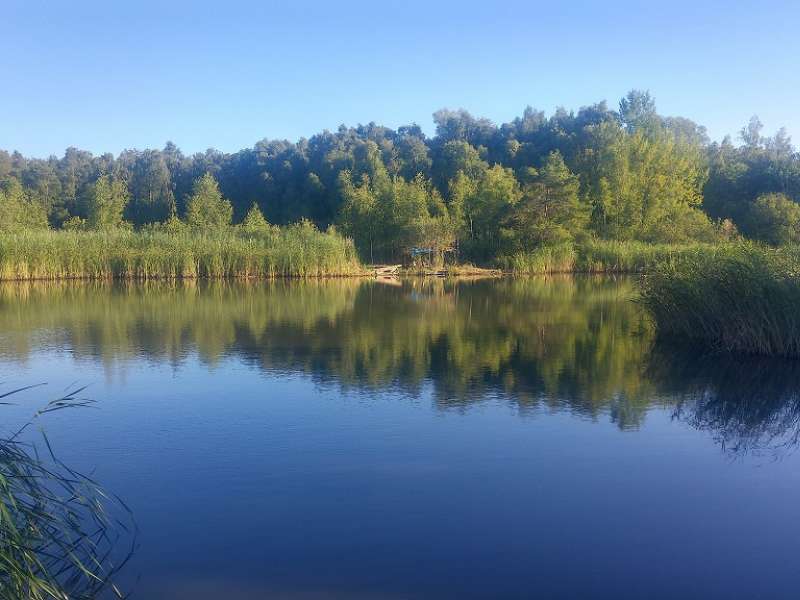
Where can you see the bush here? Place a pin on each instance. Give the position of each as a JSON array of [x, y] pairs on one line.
[[681, 227], [775, 219]]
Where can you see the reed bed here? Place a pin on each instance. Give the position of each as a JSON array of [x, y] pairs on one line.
[[597, 256], [547, 259], [741, 298], [295, 251]]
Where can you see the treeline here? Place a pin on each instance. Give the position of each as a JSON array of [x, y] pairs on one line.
[[475, 189]]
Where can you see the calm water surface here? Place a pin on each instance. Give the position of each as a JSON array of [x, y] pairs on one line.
[[346, 439]]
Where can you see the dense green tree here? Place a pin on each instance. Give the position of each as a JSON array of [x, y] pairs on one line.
[[414, 212], [254, 221], [413, 152], [461, 126], [206, 209], [775, 219], [360, 216], [637, 111], [636, 182], [549, 210], [150, 186], [485, 206], [17, 210], [739, 176], [107, 199], [458, 157]]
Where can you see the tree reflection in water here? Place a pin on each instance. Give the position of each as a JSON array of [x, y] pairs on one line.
[[577, 344]]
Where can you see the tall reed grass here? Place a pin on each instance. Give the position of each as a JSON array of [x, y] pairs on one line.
[[547, 259], [596, 256], [295, 251], [740, 298]]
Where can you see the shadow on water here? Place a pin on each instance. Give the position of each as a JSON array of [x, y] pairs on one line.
[[576, 344]]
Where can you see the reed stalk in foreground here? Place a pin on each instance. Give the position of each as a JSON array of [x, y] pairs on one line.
[[57, 538], [742, 298]]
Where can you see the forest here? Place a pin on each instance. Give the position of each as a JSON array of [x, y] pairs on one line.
[[475, 191]]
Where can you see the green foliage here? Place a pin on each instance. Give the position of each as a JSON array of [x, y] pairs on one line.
[[389, 216], [739, 176], [637, 111], [150, 182], [484, 190], [206, 209], [775, 219], [173, 225], [254, 221], [550, 211], [685, 226], [737, 298], [108, 198], [638, 181], [459, 157], [360, 216], [17, 210], [486, 203]]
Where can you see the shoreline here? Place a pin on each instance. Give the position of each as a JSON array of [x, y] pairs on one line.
[[404, 274]]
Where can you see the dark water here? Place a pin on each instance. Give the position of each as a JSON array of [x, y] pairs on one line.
[[338, 439]]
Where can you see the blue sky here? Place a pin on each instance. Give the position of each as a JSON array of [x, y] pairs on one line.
[[109, 75]]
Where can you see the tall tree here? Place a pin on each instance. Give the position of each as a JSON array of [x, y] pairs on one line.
[[549, 210], [150, 186], [254, 221], [637, 110], [107, 200], [206, 209], [17, 210]]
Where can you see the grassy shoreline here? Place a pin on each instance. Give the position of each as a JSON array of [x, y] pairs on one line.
[[294, 251]]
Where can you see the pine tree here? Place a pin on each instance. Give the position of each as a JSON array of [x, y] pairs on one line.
[[254, 221]]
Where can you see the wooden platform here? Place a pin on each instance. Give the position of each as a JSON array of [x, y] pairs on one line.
[[383, 270]]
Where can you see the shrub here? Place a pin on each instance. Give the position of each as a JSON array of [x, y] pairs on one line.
[[775, 219]]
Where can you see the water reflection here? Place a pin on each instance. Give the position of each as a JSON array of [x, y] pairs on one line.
[[748, 404], [576, 344]]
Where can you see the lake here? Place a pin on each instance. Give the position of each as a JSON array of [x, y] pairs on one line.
[[511, 438]]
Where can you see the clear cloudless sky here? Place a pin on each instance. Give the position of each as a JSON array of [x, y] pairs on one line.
[[109, 75]]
